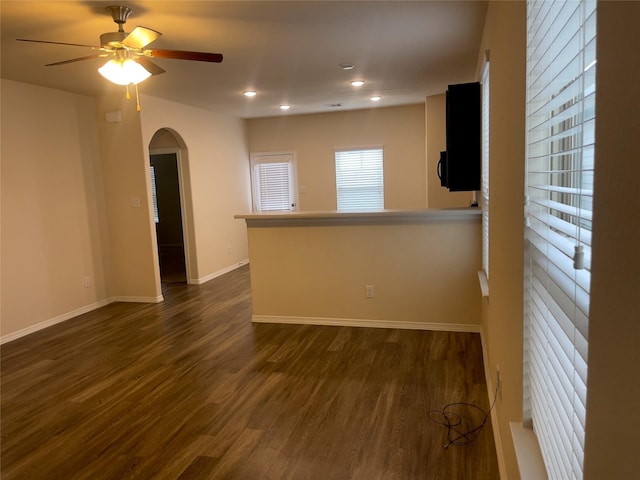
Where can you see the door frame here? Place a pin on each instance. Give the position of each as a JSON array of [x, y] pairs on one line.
[[186, 226]]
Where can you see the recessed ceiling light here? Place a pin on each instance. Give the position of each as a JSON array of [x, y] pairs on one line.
[[249, 93], [357, 83], [347, 66], [376, 98], [285, 107]]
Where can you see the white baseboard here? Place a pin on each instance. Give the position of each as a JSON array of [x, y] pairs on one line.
[[52, 321], [206, 278], [87, 308], [74, 313], [359, 322], [495, 425], [135, 299]]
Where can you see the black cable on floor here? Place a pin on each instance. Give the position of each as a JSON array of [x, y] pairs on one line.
[[453, 422]]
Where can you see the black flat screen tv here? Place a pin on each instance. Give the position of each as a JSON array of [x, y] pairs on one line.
[[459, 168]]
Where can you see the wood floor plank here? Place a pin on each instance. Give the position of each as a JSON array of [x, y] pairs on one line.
[[191, 389]]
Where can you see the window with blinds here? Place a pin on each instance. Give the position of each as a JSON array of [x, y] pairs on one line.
[[485, 169], [360, 179], [561, 62], [273, 182]]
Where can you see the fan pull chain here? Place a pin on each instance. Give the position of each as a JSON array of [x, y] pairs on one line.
[[137, 99], [137, 96]]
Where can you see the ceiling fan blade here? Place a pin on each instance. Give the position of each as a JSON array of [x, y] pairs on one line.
[[59, 43], [64, 62], [140, 37], [151, 67], [184, 55]]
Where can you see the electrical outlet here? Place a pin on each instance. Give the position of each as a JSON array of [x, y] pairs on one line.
[[87, 282], [368, 291]]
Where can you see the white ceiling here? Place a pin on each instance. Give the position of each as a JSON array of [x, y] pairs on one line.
[[289, 52]]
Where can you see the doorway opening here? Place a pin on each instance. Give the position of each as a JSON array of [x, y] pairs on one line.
[[168, 206], [168, 218]]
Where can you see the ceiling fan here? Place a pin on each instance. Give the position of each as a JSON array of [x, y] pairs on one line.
[[130, 62]]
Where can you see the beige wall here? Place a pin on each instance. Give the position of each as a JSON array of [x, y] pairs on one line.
[[53, 229], [135, 271], [613, 416], [400, 130], [422, 272], [436, 117], [215, 174], [502, 314]]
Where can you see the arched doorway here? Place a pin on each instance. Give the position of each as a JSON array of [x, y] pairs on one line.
[[165, 154]]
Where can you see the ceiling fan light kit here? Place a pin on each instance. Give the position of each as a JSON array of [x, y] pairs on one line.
[[124, 72], [130, 64]]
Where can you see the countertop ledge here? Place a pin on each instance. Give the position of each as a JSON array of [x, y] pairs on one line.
[[427, 215]]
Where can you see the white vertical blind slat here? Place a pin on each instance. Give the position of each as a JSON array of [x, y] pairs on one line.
[[485, 169], [154, 194]]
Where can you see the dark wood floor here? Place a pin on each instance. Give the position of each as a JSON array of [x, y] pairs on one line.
[[189, 388], [172, 264]]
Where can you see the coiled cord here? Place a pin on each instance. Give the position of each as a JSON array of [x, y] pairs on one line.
[[453, 422]]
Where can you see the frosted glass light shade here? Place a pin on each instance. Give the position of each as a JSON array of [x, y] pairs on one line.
[[124, 72]]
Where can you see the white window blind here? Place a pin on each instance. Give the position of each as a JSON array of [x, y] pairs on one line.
[[360, 179], [154, 194], [273, 183], [485, 169], [559, 190]]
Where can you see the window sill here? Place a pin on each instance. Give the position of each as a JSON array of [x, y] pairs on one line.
[[528, 454]]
